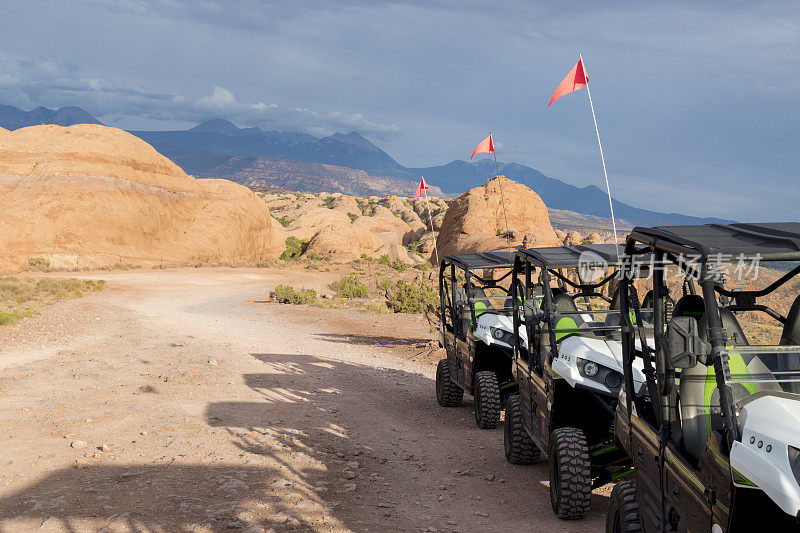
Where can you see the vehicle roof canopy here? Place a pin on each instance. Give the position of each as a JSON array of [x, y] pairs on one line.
[[570, 256], [479, 261], [772, 241]]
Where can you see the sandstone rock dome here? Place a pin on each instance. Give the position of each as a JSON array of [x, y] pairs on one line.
[[90, 195], [475, 218]]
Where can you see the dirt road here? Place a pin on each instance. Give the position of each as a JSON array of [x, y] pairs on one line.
[[181, 401]]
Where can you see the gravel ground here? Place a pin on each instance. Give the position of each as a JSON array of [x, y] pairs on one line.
[[182, 401]]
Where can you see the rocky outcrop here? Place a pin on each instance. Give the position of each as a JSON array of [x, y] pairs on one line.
[[475, 220], [89, 196]]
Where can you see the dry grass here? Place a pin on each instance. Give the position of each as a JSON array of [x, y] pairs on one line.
[[20, 297]]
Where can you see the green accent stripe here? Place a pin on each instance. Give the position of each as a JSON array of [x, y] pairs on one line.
[[677, 464], [603, 451], [646, 430]]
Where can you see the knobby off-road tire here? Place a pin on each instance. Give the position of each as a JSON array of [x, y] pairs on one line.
[[487, 400], [623, 509], [570, 473], [448, 394], [520, 449]]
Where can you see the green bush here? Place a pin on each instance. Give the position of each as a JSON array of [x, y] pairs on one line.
[[328, 202], [39, 263], [352, 216], [399, 265], [287, 294], [411, 297], [294, 249], [350, 287], [285, 220], [424, 266], [413, 247], [7, 318]]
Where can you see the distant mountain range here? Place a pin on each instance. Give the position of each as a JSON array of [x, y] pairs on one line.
[[12, 118], [298, 161]]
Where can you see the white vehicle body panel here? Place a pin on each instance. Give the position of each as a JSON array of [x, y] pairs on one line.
[[604, 352], [488, 321], [772, 421]]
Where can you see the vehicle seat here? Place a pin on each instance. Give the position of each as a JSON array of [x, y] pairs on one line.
[[791, 336], [612, 317], [480, 301], [699, 396], [690, 305], [568, 323]]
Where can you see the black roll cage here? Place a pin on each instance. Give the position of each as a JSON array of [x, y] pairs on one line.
[[447, 302], [522, 265], [660, 380]]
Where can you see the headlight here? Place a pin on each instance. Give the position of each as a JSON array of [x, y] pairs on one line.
[[794, 460], [590, 369], [613, 380], [498, 334]]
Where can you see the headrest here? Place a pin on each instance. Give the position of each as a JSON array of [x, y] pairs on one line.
[[791, 329], [648, 301], [478, 292], [690, 305], [564, 303]]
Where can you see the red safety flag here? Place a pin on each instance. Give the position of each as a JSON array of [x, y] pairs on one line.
[[422, 188], [485, 147], [576, 79]]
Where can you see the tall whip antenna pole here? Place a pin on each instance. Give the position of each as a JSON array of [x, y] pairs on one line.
[[502, 200], [430, 218], [602, 158]]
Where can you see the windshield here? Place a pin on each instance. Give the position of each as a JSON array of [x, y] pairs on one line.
[[763, 369]]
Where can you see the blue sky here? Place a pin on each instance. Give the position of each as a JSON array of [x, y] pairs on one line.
[[697, 103]]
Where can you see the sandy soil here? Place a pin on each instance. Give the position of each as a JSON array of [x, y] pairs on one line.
[[182, 401]]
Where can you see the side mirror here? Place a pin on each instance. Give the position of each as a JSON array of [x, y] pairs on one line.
[[532, 312], [684, 342]]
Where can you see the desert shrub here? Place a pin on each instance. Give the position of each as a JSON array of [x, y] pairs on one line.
[[413, 247], [399, 265], [294, 249], [384, 284], [352, 216], [376, 307], [285, 220], [38, 263], [350, 287], [425, 266], [120, 265], [8, 318], [287, 294], [328, 201], [411, 297]]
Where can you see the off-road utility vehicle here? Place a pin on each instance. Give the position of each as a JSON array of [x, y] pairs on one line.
[[714, 435], [476, 333], [568, 364]]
